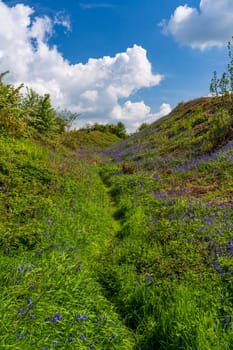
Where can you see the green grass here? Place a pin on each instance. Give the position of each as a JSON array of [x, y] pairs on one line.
[[54, 221], [161, 273], [132, 253]]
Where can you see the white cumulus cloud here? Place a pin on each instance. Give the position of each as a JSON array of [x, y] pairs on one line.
[[133, 114], [209, 25], [93, 89]]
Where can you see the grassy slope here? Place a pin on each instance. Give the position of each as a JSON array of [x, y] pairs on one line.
[[88, 139], [145, 263], [54, 221], [170, 268], [179, 149]]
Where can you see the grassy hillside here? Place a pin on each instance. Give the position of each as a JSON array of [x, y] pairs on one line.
[[54, 221], [125, 248], [170, 269], [189, 150]]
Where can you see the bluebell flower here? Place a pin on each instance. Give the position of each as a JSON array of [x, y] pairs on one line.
[[20, 268], [92, 346], [149, 279], [58, 317], [7, 250], [32, 286], [113, 336], [32, 317], [55, 342], [221, 297], [217, 267], [38, 253], [84, 318], [82, 336], [21, 311], [20, 335], [226, 320], [47, 319], [78, 316], [71, 340], [79, 267], [29, 303]]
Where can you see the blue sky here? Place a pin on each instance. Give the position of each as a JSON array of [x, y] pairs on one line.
[[115, 60]]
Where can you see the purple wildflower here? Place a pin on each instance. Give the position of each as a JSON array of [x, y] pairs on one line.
[[71, 340], [20, 269], [47, 319], [32, 317], [113, 336], [82, 336], [57, 317], [149, 279], [20, 335], [29, 303], [226, 320], [55, 342]]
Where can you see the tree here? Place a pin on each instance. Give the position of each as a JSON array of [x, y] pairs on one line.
[[230, 67], [68, 117], [224, 85], [121, 130], [142, 126], [214, 84]]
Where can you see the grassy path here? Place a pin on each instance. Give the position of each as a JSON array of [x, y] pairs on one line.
[[50, 297]]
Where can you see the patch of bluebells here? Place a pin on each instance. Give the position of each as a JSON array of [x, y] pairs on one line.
[[81, 317], [57, 317], [225, 152], [217, 267]]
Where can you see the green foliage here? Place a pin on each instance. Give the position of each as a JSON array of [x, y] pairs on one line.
[[68, 117], [88, 139], [118, 130], [41, 114], [54, 224], [224, 86], [142, 126], [25, 114], [158, 270]]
